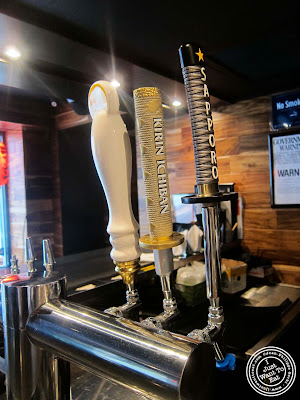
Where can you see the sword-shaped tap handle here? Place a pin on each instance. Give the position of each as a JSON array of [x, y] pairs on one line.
[[194, 75], [113, 160], [208, 194]]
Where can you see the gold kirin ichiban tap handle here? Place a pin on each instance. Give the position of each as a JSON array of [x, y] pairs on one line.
[[150, 128]]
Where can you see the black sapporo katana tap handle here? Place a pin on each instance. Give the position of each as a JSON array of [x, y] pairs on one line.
[[194, 75]]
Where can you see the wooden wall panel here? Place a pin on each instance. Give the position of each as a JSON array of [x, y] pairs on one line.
[[241, 132], [42, 188], [253, 219]]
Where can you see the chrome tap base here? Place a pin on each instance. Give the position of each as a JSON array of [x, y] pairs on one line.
[[43, 333], [163, 261], [31, 373], [210, 198], [130, 309], [161, 321], [213, 332]]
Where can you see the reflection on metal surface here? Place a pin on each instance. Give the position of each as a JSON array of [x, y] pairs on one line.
[[271, 296], [31, 372], [86, 386], [145, 360], [212, 333], [29, 255], [212, 254], [48, 257]]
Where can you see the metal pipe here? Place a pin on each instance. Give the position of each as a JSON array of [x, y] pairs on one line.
[[149, 361], [212, 254], [31, 373]]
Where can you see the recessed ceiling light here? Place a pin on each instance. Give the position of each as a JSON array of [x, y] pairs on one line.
[[115, 83], [13, 53], [176, 103]]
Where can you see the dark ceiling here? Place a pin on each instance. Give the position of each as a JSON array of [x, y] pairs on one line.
[[251, 47]]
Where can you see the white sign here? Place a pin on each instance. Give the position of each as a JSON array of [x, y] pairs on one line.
[[286, 169]]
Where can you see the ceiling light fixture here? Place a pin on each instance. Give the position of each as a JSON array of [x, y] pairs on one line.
[[115, 83], [13, 53], [176, 103]]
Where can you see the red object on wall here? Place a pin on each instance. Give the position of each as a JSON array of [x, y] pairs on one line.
[[3, 165]]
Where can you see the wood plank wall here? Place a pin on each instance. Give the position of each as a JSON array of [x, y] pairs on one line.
[[42, 188], [241, 132]]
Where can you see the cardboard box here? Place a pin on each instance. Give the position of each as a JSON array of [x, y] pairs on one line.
[[234, 276]]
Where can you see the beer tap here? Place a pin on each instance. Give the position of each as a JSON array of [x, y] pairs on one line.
[[14, 267], [112, 156], [150, 128], [208, 195], [48, 257], [29, 255]]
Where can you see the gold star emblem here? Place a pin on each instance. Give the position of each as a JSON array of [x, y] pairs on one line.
[[200, 55]]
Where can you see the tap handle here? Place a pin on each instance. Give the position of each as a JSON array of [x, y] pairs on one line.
[[113, 160], [150, 128], [194, 75], [48, 257], [29, 255]]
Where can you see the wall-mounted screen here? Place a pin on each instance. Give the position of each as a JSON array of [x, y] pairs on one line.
[[285, 110], [285, 169]]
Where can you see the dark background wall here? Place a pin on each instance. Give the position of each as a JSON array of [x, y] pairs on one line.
[[42, 187], [83, 203], [84, 208]]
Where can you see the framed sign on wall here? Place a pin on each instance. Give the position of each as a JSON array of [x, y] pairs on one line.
[[284, 150], [285, 111]]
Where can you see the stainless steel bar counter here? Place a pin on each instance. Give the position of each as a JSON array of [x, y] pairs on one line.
[[151, 362]]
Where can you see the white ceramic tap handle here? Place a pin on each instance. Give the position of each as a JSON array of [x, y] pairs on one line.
[[112, 156]]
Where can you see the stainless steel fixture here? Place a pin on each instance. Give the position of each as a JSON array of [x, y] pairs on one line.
[[44, 332], [29, 255], [149, 361], [208, 194], [31, 373]]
